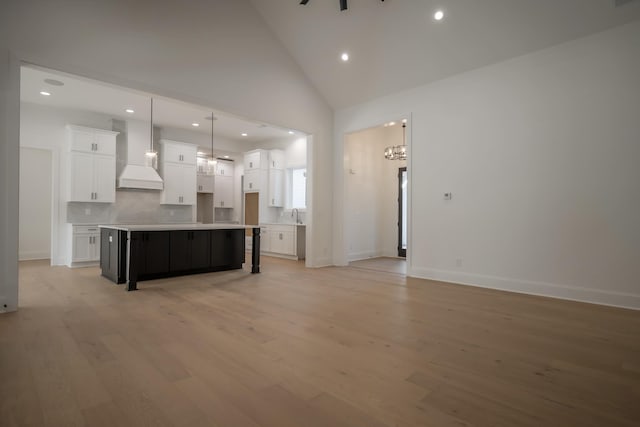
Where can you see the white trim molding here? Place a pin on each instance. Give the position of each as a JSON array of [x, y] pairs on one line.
[[566, 292]]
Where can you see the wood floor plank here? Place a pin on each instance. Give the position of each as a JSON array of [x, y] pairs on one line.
[[291, 346]]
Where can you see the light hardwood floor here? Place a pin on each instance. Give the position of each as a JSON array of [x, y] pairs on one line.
[[309, 347]]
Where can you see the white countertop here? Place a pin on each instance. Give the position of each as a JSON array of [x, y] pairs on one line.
[[177, 227], [282, 223]]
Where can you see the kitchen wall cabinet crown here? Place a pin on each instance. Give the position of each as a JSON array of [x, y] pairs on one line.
[[92, 164], [178, 170]]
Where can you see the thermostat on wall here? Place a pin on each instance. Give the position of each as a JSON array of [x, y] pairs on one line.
[[447, 196]]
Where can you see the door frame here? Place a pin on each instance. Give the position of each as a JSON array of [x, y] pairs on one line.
[[402, 252]]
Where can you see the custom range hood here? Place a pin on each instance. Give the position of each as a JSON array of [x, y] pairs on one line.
[[132, 146]]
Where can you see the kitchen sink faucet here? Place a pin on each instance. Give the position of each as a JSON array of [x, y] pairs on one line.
[[297, 213]]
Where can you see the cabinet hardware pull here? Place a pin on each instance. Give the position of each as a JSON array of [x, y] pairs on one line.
[[280, 236]]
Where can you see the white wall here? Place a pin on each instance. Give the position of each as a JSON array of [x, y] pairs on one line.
[[541, 154], [371, 193], [217, 53], [35, 204]]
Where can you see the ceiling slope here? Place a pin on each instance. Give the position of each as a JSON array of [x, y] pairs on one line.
[[396, 44]]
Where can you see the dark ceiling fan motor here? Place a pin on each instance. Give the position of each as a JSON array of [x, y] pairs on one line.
[[343, 3]]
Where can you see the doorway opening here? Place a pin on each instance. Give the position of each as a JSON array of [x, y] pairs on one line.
[[402, 212], [376, 225]]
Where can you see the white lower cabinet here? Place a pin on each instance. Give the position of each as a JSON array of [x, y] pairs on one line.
[[85, 245], [285, 240]]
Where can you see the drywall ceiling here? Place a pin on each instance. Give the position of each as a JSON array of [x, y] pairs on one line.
[[89, 95], [396, 44]]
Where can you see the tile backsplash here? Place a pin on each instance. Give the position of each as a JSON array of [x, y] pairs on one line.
[[131, 207]]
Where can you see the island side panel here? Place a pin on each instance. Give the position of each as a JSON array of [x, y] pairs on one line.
[[255, 251]]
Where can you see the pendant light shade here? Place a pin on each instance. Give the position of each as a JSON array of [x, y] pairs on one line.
[[397, 152], [151, 156]]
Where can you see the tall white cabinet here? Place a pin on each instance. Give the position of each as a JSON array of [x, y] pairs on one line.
[[223, 184], [178, 170], [92, 165]]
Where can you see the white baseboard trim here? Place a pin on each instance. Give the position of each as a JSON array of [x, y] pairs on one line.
[[572, 293], [320, 262], [357, 256], [33, 255]]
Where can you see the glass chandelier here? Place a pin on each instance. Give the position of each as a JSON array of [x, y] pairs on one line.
[[397, 152]]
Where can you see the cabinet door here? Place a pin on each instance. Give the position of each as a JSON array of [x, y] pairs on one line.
[[189, 185], [205, 183], [156, 252], [224, 168], [94, 248], [276, 159], [180, 258], [81, 177], [105, 144], [82, 140], [223, 193], [104, 179], [82, 248], [172, 177], [282, 242], [200, 249], [220, 248], [265, 239], [276, 182], [251, 180], [252, 160]]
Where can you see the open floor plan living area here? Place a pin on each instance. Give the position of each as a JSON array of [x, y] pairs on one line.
[[328, 213]]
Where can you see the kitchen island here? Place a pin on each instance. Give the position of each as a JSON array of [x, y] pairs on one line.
[[133, 253]]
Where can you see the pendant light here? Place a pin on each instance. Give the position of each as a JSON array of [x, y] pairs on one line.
[[212, 161], [397, 152], [151, 156]]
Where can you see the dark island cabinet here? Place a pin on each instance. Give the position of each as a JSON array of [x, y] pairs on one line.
[[152, 253], [189, 250], [227, 249], [113, 246]]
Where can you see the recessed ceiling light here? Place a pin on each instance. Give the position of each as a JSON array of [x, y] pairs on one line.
[[53, 82], [291, 132], [243, 134], [226, 157], [392, 123], [438, 15], [129, 110], [404, 120], [195, 125], [44, 93], [344, 57]]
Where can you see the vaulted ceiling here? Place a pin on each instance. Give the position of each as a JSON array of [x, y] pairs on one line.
[[397, 44]]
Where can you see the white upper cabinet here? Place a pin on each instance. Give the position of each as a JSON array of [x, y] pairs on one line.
[[223, 192], [224, 168], [276, 159], [89, 140], [205, 183], [256, 159], [276, 188], [92, 165], [178, 152], [251, 180], [178, 170]]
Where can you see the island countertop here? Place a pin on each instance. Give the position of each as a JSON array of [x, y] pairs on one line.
[[176, 227]]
